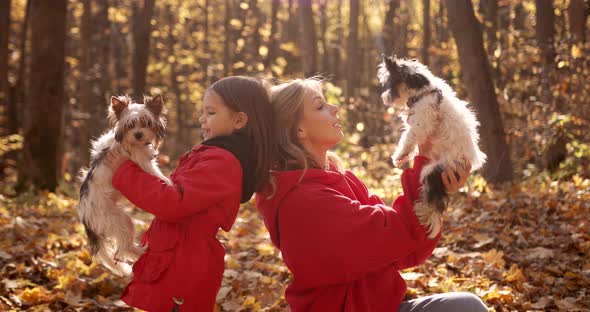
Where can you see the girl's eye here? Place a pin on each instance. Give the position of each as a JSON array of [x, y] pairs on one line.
[[210, 113]]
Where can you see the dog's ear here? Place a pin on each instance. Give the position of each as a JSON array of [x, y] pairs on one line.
[[118, 105], [391, 64], [155, 104]]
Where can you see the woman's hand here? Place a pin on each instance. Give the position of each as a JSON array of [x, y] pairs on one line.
[[115, 158], [451, 181]]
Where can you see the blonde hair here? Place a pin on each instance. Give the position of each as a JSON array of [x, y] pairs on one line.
[[287, 101]]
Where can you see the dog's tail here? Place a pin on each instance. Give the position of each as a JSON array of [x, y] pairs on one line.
[[429, 217], [106, 256], [103, 251]]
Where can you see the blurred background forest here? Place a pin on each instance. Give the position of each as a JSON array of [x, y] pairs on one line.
[[524, 66]]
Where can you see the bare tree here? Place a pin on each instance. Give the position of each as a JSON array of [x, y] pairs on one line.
[[4, 85], [273, 42], [17, 92], [388, 27], [94, 76], [308, 38], [578, 14], [142, 30], [426, 31], [44, 113], [324, 39], [477, 78], [545, 18], [352, 48], [227, 55]]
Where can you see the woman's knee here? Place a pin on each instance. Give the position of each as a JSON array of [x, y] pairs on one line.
[[465, 301]]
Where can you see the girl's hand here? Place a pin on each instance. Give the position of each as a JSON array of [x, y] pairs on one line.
[[451, 181], [115, 158]]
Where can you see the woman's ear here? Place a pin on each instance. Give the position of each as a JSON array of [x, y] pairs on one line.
[[301, 134], [240, 120]]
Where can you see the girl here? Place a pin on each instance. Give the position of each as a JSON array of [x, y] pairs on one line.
[[183, 263], [343, 246]]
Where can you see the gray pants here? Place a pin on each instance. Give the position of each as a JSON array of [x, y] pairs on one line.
[[447, 302]]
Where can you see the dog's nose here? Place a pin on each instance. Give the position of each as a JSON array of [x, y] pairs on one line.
[[138, 135]]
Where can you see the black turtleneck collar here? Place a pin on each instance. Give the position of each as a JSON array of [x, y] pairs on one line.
[[242, 148]]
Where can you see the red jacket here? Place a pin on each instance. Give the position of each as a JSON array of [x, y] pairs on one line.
[[183, 259], [342, 245]]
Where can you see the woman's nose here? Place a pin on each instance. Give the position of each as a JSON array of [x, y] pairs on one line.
[[334, 108], [202, 119]]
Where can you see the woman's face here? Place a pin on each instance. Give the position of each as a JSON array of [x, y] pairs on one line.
[[319, 128], [217, 118]]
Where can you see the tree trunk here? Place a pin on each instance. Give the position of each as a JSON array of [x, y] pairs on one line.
[[4, 85], [388, 32], [545, 18], [324, 32], [442, 29], [337, 47], [426, 30], [142, 30], [207, 57], [227, 53], [94, 76], [476, 76], [43, 122], [180, 114], [309, 55], [274, 37], [578, 14], [352, 58], [16, 105], [402, 29]]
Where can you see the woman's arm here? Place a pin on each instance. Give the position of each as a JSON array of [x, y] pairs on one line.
[[216, 176], [329, 238]]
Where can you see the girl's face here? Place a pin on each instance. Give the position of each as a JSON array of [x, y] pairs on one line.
[[319, 128], [217, 118]]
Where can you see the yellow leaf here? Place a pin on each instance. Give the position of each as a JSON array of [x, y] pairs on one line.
[[576, 51], [35, 296], [236, 23], [232, 263], [494, 257], [263, 51], [515, 274], [265, 249], [250, 302]]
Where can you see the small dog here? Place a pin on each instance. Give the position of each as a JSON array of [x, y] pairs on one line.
[[137, 132], [431, 111]]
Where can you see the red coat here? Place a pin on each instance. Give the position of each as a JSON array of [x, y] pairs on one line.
[[342, 245], [184, 259]]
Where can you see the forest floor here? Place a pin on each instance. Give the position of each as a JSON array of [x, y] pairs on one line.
[[522, 247]]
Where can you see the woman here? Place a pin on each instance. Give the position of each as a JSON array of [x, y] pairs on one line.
[[343, 246]]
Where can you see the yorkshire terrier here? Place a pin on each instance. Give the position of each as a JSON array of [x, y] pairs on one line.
[[431, 111], [137, 130]]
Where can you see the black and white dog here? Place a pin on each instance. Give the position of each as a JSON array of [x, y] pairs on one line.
[[432, 111], [137, 131]]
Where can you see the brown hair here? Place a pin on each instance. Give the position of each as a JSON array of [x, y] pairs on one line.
[[252, 96], [287, 101]]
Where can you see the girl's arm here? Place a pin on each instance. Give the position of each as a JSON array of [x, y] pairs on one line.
[[215, 177], [330, 238]]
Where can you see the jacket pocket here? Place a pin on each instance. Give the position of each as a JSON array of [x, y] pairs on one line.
[[152, 265]]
